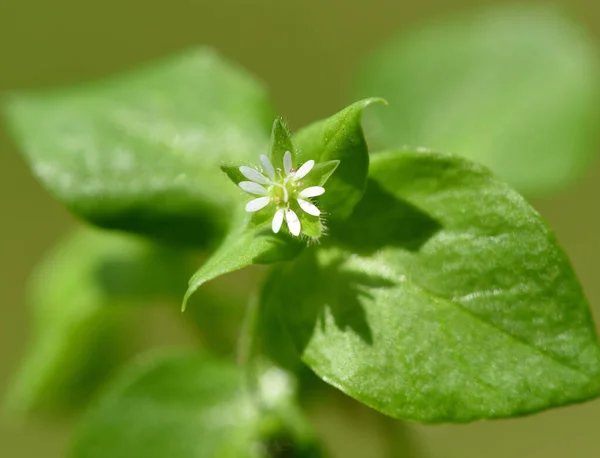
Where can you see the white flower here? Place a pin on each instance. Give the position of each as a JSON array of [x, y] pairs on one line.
[[281, 188]]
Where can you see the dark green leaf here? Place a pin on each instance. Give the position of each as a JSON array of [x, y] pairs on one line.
[[339, 137], [448, 299], [141, 151], [512, 87], [75, 298], [187, 405]]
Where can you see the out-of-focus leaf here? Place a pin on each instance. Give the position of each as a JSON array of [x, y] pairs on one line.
[[141, 151], [188, 405], [447, 299], [76, 298], [515, 88]]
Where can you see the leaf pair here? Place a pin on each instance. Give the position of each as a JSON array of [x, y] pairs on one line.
[[512, 87]]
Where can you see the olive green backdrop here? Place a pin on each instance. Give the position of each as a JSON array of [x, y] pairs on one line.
[[305, 51]]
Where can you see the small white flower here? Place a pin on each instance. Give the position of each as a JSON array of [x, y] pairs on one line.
[[281, 187]]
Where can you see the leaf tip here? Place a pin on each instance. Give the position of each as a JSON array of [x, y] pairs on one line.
[[358, 107], [280, 126], [191, 290], [371, 100]]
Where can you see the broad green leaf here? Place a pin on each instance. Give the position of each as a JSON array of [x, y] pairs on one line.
[[515, 88], [75, 299], [339, 137], [188, 405], [446, 298], [141, 151]]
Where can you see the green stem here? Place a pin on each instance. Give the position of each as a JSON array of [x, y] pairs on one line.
[[400, 443], [245, 342]]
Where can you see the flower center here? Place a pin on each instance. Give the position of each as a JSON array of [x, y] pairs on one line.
[[282, 193]]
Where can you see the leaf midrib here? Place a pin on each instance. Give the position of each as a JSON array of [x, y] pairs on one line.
[[452, 301]]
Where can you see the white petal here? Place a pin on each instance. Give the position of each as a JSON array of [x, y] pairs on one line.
[[277, 220], [254, 175], [313, 191], [293, 222], [303, 171], [287, 162], [252, 187], [257, 204], [267, 166], [308, 207]]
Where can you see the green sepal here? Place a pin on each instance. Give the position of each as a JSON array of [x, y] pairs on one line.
[[281, 142]]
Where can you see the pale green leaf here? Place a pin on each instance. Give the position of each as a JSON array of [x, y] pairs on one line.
[[76, 297], [515, 88], [188, 405], [141, 151]]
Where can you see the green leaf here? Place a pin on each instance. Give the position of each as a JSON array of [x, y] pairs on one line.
[[188, 405], [454, 304], [247, 245], [515, 88], [76, 294], [339, 137], [141, 151]]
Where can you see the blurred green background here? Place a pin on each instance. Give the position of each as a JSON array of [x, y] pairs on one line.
[[306, 52]]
